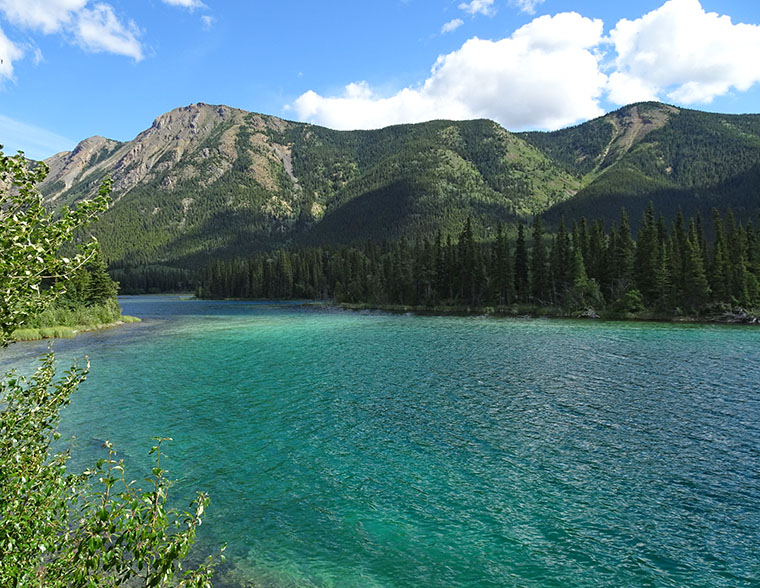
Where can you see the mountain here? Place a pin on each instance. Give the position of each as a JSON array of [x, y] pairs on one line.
[[213, 181], [677, 158]]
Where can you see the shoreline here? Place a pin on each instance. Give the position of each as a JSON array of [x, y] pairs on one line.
[[66, 331], [736, 317]]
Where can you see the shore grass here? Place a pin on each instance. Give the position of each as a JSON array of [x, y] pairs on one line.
[[66, 331]]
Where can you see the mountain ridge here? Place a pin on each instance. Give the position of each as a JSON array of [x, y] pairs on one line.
[[208, 181]]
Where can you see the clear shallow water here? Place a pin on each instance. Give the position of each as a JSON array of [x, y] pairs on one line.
[[374, 450]]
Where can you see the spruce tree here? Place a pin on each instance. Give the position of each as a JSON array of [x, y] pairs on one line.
[[538, 264], [522, 278], [623, 256], [696, 290], [648, 258]]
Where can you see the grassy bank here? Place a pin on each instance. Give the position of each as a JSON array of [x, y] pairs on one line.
[[61, 322], [65, 331]]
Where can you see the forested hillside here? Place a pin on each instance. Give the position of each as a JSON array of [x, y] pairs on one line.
[[213, 182], [583, 269], [680, 159], [209, 181]]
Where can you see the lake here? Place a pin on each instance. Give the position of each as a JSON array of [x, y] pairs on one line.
[[346, 449]]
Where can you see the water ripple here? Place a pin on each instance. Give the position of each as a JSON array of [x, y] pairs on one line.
[[378, 450]]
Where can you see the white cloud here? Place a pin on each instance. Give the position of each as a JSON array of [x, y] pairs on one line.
[[93, 27], [684, 53], [9, 52], [98, 29], [452, 25], [528, 6], [46, 15], [623, 88], [191, 4], [553, 71], [544, 76], [478, 7], [39, 143]]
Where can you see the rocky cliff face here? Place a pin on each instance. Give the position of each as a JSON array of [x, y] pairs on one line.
[[200, 137], [69, 167]]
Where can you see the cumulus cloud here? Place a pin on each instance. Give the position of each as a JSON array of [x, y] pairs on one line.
[[452, 25], [98, 29], [555, 70], [207, 21], [545, 75], [478, 7], [190, 4], [9, 52], [94, 28], [528, 6], [46, 15], [684, 53]]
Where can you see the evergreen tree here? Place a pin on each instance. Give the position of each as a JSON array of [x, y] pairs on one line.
[[522, 279], [623, 257], [467, 264], [561, 265], [538, 265], [718, 267], [503, 276], [696, 291], [596, 258], [648, 258], [584, 292]]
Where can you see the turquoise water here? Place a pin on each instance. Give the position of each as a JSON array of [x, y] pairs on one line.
[[373, 450]]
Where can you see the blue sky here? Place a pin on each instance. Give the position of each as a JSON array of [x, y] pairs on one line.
[[76, 68]]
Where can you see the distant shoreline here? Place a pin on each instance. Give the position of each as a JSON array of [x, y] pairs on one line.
[[735, 317]]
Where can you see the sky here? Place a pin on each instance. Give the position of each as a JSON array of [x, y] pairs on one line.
[[70, 69]]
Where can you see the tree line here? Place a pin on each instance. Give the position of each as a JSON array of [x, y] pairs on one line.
[[686, 267]]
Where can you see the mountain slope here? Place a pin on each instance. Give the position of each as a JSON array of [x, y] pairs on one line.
[[216, 181], [677, 158], [213, 181]]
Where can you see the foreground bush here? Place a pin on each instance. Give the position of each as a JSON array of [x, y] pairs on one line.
[[94, 529], [58, 529]]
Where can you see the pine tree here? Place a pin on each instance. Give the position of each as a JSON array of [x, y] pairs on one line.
[[467, 263], [560, 265], [538, 264], [718, 267], [522, 279], [596, 258], [584, 292], [696, 287], [623, 257], [647, 258], [441, 285]]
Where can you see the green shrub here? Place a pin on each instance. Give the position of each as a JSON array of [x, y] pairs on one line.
[[57, 529], [26, 335], [63, 332]]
